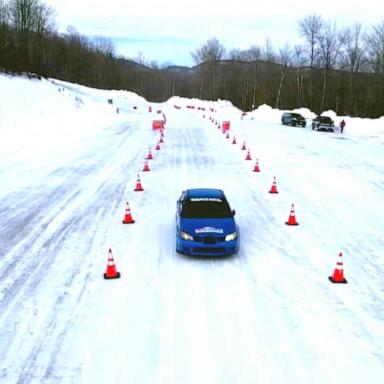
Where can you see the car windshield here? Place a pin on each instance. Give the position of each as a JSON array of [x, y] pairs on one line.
[[325, 119], [296, 115], [206, 207]]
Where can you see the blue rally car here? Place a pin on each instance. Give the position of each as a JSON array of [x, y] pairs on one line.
[[205, 224]]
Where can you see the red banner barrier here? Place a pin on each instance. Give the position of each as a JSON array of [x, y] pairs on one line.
[[157, 124], [225, 125]]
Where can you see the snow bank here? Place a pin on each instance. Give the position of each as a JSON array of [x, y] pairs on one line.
[[34, 112]]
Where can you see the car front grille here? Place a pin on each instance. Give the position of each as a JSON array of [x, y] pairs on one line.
[[208, 250], [208, 239]]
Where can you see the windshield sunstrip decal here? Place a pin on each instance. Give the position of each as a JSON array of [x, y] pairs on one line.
[[193, 199]]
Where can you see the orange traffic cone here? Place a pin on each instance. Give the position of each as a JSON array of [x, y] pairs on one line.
[[149, 156], [248, 157], [234, 140], [111, 272], [146, 166], [292, 218], [128, 216], [243, 148], [138, 185], [256, 168], [273, 188], [338, 273], [157, 148]]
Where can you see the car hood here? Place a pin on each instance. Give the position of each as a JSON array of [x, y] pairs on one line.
[[202, 227]]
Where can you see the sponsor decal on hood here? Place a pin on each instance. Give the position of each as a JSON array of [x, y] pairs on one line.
[[209, 230]]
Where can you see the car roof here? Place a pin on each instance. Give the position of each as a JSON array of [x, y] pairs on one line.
[[204, 192]]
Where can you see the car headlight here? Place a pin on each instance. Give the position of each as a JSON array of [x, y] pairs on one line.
[[231, 236], [185, 236]]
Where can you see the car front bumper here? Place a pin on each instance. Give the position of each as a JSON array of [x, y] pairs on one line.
[[299, 122], [197, 248], [325, 128]]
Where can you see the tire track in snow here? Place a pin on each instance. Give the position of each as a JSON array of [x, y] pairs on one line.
[[187, 280], [299, 266], [229, 338], [54, 212], [271, 320], [302, 265], [46, 336], [34, 272]]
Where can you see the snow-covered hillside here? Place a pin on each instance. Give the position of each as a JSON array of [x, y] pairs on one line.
[[68, 165]]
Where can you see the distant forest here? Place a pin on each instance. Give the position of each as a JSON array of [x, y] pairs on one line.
[[335, 68]]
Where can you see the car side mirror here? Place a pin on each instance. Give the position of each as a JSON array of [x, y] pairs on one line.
[[233, 212]]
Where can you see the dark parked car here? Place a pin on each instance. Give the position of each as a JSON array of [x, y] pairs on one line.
[[294, 119], [323, 123], [205, 224]]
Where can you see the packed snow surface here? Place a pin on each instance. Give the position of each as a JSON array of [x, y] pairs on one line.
[[69, 162]]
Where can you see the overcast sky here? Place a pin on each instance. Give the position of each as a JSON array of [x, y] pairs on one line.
[[167, 31]]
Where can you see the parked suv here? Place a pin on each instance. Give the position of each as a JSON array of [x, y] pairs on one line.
[[323, 123], [290, 118]]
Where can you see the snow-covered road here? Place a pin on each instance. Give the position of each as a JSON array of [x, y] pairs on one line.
[[266, 315]]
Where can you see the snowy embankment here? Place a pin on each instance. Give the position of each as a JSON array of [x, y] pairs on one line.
[[69, 164]]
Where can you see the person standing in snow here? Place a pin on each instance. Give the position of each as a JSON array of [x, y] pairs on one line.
[[342, 125]]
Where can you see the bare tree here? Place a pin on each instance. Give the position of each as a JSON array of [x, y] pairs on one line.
[[285, 56], [254, 53], [352, 45], [24, 14], [268, 52], [236, 54], [351, 60], [212, 50], [104, 45], [375, 48], [298, 56], [23, 17], [330, 42], [299, 60], [310, 28], [4, 12], [329, 49], [375, 57], [251, 54], [31, 19], [43, 19], [140, 59], [4, 33], [208, 56]]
